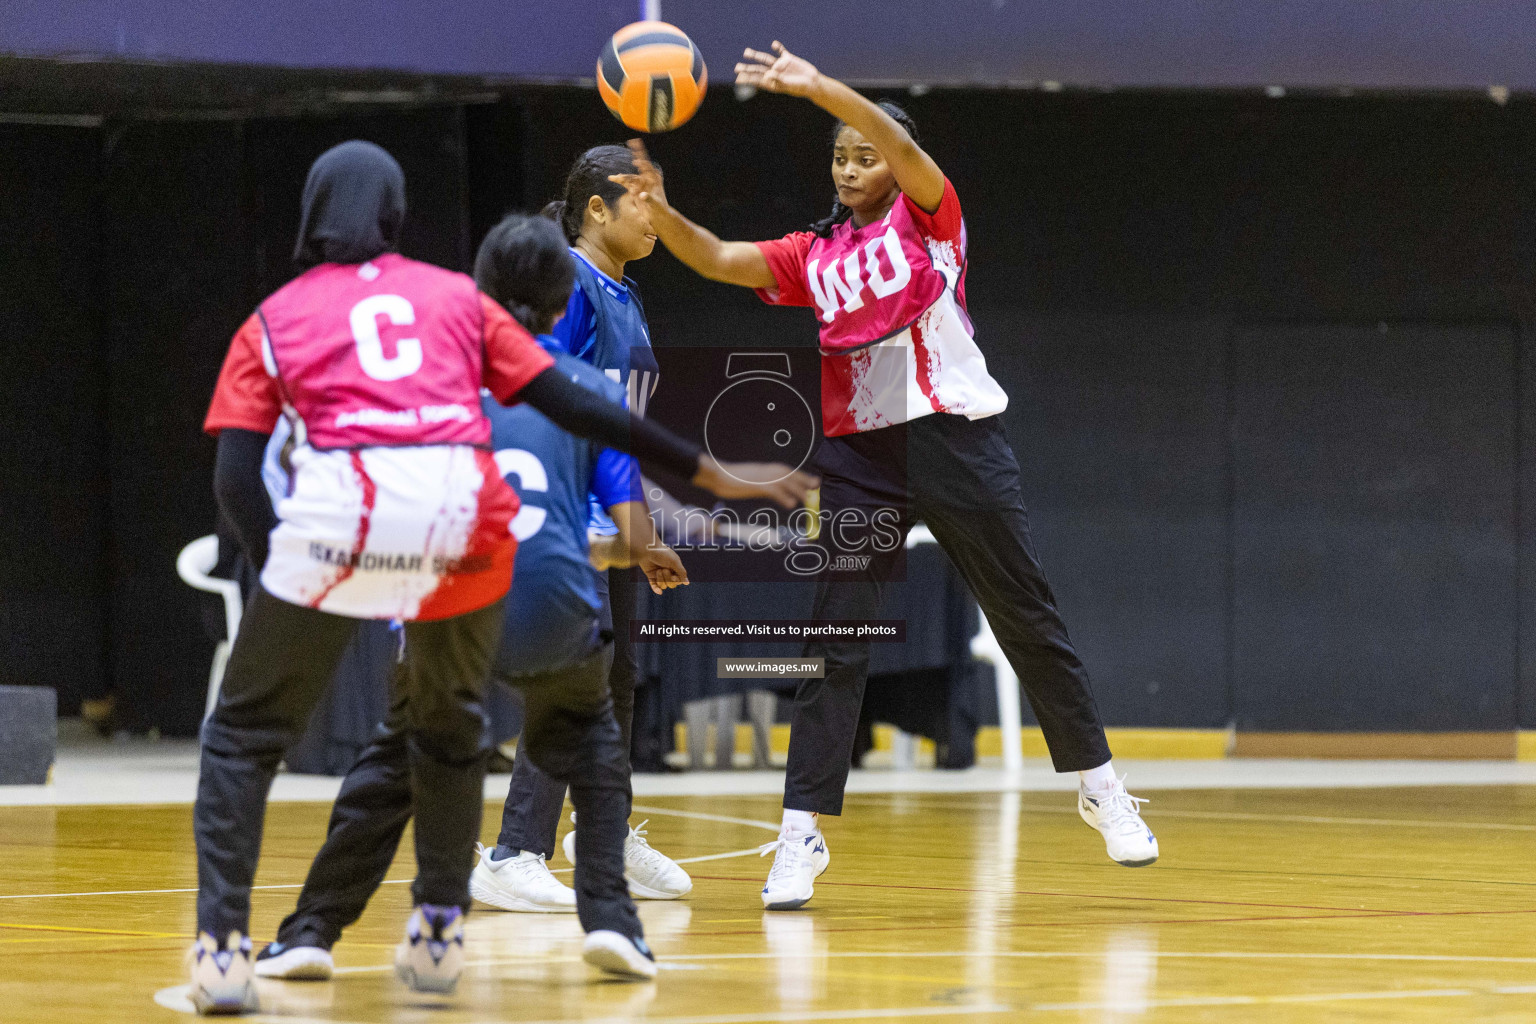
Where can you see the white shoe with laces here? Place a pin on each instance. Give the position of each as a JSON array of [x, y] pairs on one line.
[[651, 874], [223, 981], [798, 861], [1117, 816], [522, 884]]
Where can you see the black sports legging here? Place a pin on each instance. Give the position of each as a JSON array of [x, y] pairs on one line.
[[960, 477], [282, 660], [569, 727], [531, 817]]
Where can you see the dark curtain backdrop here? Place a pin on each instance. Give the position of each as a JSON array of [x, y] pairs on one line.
[[53, 392], [1260, 352], [137, 255]]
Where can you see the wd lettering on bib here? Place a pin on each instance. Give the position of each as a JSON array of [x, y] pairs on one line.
[[896, 342], [844, 281]]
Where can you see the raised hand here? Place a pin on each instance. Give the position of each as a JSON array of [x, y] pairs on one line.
[[645, 183], [780, 71]]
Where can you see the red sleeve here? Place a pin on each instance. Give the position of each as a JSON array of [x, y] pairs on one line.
[[512, 357], [247, 396], [786, 258], [943, 224]]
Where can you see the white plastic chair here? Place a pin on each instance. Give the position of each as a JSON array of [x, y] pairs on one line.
[[984, 647], [193, 565]]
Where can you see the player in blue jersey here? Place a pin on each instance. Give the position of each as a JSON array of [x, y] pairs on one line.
[[554, 650], [604, 324]]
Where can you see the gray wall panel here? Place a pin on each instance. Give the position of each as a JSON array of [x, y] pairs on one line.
[[1374, 527], [1119, 426]]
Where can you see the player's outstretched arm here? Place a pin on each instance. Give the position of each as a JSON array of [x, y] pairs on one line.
[[587, 414], [781, 71], [729, 262]]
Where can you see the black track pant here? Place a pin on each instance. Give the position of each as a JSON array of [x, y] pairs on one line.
[[569, 728], [535, 798], [281, 662], [960, 477]]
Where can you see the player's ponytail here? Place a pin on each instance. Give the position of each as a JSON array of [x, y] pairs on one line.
[[525, 265], [823, 228], [588, 177]]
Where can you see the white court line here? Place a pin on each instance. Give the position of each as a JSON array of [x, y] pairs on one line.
[[1105, 955], [699, 816], [772, 826], [682, 860], [1000, 955], [801, 1015], [175, 998], [131, 892], [162, 892], [721, 856], [1312, 997], [402, 881]]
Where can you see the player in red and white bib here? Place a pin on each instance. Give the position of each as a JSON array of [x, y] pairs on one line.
[[890, 299], [396, 510], [910, 417]]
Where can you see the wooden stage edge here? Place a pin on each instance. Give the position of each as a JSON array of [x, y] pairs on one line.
[[1215, 744]]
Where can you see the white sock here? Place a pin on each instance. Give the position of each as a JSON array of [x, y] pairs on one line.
[[799, 822], [1100, 778]]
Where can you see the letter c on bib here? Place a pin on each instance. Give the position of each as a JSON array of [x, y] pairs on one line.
[[370, 347], [531, 477]]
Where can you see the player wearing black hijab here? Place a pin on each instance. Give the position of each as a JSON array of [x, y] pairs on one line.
[[396, 510]]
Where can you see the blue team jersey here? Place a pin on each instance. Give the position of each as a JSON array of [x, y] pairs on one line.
[[552, 612], [604, 324]]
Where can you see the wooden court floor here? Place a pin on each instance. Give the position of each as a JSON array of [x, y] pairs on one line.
[[1395, 905]]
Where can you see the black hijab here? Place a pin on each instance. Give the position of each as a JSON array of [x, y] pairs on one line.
[[354, 204]]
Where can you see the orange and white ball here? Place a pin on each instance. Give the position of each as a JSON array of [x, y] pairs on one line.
[[651, 76]]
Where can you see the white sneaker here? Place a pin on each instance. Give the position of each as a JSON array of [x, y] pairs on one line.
[[797, 862], [1117, 816], [651, 874], [294, 963], [617, 954], [431, 956], [222, 979], [522, 883]]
